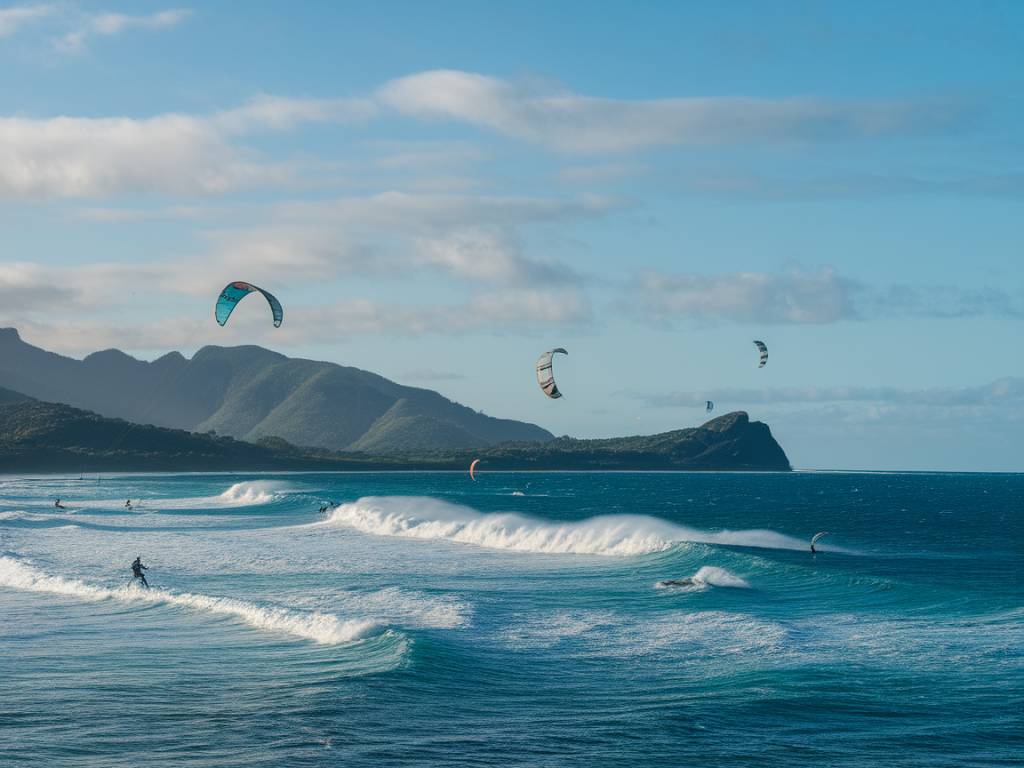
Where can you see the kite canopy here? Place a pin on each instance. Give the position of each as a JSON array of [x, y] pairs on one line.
[[234, 293], [710, 406], [472, 467], [763, 349], [545, 374]]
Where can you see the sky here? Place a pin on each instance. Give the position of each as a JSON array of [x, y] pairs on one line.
[[438, 192]]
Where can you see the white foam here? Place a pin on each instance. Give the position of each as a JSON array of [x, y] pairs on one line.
[[322, 628], [244, 494], [252, 492], [702, 638], [410, 608], [614, 535]]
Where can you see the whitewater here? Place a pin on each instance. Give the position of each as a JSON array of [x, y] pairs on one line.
[[537, 620]]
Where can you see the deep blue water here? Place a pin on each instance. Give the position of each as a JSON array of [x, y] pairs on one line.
[[430, 620]]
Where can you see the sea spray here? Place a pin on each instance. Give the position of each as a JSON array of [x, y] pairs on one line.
[[252, 492], [323, 628], [610, 535]]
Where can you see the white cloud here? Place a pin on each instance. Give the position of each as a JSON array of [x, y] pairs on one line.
[[17, 16], [267, 112], [50, 290], [488, 255], [111, 24], [25, 286], [90, 335], [85, 157], [525, 310], [166, 154], [426, 155], [190, 154], [570, 122]]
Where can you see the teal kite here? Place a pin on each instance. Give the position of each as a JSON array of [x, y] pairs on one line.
[[235, 292]]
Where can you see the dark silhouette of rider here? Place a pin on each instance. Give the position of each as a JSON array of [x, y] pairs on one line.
[[137, 571]]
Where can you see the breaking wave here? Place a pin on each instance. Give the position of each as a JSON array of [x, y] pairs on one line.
[[614, 535], [324, 628], [252, 492]]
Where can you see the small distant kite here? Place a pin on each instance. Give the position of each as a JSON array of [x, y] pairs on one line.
[[472, 467], [763, 349], [234, 293], [546, 375], [710, 407]]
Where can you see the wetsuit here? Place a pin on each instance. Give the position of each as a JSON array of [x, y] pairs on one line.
[[137, 572]]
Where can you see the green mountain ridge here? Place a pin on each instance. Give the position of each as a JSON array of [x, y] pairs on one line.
[[250, 393], [37, 436]]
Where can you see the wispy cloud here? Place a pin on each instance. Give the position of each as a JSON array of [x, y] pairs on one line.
[[111, 24], [801, 297], [15, 17], [746, 186], [528, 310], [822, 296], [468, 245], [475, 239], [1005, 391], [570, 122]]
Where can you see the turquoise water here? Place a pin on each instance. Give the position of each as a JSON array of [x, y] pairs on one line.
[[515, 621]]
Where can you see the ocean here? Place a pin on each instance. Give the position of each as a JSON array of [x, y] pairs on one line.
[[518, 620]]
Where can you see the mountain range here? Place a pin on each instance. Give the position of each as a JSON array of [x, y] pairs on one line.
[[251, 393], [37, 436]]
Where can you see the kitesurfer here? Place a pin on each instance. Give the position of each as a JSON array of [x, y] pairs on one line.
[[137, 571], [814, 540], [58, 505], [685, 582], [128, 504]]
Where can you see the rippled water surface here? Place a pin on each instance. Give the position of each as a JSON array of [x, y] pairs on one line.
[[520, 620]]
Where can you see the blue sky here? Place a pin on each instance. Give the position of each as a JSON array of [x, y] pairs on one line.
[[438, 192]]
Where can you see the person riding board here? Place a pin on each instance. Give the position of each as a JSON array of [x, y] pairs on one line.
[[58, 505], [137, 571]]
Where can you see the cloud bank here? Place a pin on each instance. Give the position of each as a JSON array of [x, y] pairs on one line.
[[190, 154]]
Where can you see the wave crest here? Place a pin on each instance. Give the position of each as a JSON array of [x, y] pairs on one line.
[[324, 628], [611, 535], [251, 492]]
